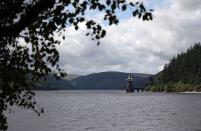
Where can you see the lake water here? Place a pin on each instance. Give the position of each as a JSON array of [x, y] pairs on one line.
[[110, 111]]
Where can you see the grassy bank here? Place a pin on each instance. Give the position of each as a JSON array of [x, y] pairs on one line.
[[174, 87]]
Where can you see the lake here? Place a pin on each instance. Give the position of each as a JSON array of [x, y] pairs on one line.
[[110, 111]]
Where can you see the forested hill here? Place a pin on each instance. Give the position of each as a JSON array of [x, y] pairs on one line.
[[182, 73], [185, 67]]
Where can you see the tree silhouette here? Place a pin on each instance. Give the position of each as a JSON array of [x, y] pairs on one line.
[[35, 22]]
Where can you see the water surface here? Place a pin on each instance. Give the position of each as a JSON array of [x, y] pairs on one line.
[[110, 111]]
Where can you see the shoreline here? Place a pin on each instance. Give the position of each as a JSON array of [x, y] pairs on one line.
[[190, 92]]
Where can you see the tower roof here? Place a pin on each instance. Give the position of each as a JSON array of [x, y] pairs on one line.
[[130, 78]]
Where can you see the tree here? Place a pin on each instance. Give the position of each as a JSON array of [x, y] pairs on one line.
[[183, 72], [36, 22]]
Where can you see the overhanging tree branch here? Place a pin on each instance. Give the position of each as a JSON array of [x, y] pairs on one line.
[[26, 19]]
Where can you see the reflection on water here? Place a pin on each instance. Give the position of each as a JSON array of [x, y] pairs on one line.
[[110, 111]]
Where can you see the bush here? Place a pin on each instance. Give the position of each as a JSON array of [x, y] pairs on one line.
[[154, 88], [173, 87], [197, 87], [169, 87], [148, 88], [181, 87], [161, 87], [190, 87]]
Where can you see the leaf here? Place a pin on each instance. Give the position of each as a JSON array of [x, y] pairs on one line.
[[113, 6], [139, 15], [121, 1], [151, 18], [42, 110], [97, 37], [142, 7], [147, 16], [132, 4], [107, 11], [101, 7], [108, 2], [124, 7], [144, 17], [135, 13], [103, 33], [116, 21], [76, 27], [82, 19]]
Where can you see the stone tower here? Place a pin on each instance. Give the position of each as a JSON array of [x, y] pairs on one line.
[[130, 87]]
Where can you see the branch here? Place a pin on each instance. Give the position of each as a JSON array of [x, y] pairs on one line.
[[26, 19], [10, 8]]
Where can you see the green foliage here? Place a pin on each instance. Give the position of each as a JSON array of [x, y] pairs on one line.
[[148, 88], [191, 87], [173, 87], [183, 73], [161, 87], [154, 88], [35, 23], [197, 87], [186, 67], [169, 87], [182, 87]]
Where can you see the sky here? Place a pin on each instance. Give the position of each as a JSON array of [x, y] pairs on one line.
[[134, 45]]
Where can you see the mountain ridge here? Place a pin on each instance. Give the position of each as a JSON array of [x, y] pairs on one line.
[[109, 80]]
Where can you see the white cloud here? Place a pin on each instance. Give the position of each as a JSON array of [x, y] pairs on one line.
[[133, 45]]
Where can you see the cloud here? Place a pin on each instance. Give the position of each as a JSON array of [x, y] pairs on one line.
[[188, 4], [133, 45]]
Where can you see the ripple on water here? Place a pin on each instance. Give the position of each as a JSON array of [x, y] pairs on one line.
[[111, 111]]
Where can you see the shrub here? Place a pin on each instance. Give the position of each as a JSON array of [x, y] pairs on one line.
[[197, 87], [148, 88], [181, 87], [169, 87], [190, 87], [161, 87]]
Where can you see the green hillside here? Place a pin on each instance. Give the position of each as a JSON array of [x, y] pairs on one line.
[[182, 73]]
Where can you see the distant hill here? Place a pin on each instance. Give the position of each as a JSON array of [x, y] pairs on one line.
[[109, 81], [70, 77], [53, 84], [141, 75], [95, 81]]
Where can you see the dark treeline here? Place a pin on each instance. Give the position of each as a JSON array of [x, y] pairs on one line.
[[182, 73]]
